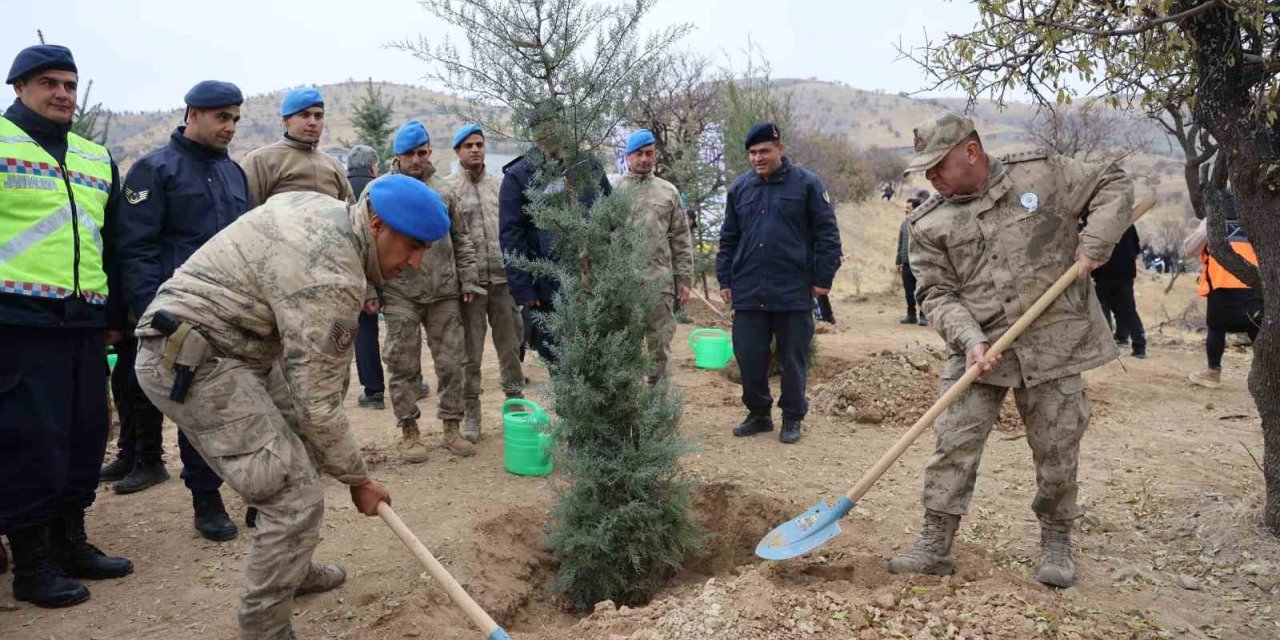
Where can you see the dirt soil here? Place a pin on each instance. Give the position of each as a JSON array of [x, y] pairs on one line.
[[1171, 546]]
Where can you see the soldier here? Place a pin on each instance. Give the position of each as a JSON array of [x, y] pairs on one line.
[[661, 211], [779, 247], [59, 199], [474, 195], [252, 337], [997, 234], [296, 163], [428, 297], [178, 197]]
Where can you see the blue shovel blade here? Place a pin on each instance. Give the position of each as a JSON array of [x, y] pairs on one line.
[[804, 533]]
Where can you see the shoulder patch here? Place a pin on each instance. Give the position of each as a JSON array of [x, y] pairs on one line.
[[136, 197], [342, 333], [925, 207], [1024, 156]]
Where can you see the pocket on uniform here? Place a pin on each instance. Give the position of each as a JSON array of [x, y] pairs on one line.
[[238, 437], [1071, 385], [245, 454]]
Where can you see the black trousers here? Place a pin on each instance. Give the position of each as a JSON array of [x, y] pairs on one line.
[[753, 334], [368, 362], [1116, 296], [534, 335], [909, 288], [1230, 311], [142, 424], [53, 422]]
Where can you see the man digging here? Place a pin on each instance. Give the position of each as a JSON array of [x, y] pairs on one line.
[[995, 237]]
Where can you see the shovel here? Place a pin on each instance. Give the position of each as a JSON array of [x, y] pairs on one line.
[[481, 619], [820, 523]]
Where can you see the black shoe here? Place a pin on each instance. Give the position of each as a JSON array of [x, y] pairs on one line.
[[211, 517], [117, 470], [909, 320], [1122, 342], [36, 577], [144, 476], [79, 558], [924, 322], [1140, 354], [251, 517], [372, 401], [790, 431], [753, 424]]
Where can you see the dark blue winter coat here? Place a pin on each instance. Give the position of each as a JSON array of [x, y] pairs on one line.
[[519, 236], [778, 240], [176, 199]]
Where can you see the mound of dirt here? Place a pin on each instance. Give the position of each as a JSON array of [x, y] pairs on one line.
[[894, 388]]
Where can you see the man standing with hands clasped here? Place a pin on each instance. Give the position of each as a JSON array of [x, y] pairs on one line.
[[779, 247], [996, 236]]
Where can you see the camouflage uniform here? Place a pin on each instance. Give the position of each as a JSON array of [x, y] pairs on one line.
[[670, 250], [981, 262], [430, 297], [474, 196], [265, 408]]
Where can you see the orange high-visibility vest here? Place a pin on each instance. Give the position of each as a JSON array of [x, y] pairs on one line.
[[1215, 276]]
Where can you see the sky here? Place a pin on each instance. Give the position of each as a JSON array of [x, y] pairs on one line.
[[144, 54]]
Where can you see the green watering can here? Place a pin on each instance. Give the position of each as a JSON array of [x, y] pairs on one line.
[[111, 358], [712, 348], [526, 443]]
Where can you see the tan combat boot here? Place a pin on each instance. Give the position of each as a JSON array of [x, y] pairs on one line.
[[452, 441], [931, 554], [411, 448], [1057, 566], [1211, 378], [471, 424], [321, 577]]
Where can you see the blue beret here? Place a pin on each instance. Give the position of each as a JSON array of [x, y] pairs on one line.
[[300, 99], [466, 131], [211, 94], [640, 139], [409, 206], [764, 132], [39, 58], [411, 136]]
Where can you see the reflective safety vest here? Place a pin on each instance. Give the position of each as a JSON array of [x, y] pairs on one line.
[[1214, 276], [51, 217]]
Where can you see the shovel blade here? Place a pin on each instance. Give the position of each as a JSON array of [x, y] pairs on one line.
[[805, 532]]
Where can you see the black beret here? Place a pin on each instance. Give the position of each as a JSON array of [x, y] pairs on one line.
[[763, 132], [211, 94], [39, 58]]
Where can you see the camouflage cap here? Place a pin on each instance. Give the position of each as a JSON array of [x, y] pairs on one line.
[[937, 136]]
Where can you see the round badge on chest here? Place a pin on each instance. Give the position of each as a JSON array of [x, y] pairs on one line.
[[1030, 201]]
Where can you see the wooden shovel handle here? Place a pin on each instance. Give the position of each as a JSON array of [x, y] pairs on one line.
[[437, 571], [870, 477]]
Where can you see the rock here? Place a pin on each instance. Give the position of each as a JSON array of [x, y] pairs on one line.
[[1209, 406], [1257, 569], [918, 361], [868, 415], [885, 601], [1187, 582], [1265, 583], [604, 607], [625, 611], [1133, 573]]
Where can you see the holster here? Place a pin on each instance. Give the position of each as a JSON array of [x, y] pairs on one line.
[[184, 351]]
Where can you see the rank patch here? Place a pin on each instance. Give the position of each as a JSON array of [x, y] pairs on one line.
[[136, 197]]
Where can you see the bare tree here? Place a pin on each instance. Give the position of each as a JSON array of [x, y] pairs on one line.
[[1088, 131]]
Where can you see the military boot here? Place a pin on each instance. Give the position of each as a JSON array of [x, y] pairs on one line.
[[79, 558], [211, 517], [145, 474], [117, 469], [931, 554], [471, 424], [790, 431], [755, 423], [321, 577], [453, 442], [1057, 566], [1211, 378], [37, 578], [411, 448]]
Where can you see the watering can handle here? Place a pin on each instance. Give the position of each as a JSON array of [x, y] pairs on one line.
[[532, 407], [697, 333]]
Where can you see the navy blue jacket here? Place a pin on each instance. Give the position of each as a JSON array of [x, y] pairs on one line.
[[779, 238], [71, 312], [519, 236], [176, 198]]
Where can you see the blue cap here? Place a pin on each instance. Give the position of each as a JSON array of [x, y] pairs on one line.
[[39, 58], [763, 132], [466, 131], [410, 207], [411, 136], [300, 99], [212, 94], [639, 140]]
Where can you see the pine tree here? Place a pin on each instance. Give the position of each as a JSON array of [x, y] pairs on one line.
[[372, 121], [85, 122], [621, 525]]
